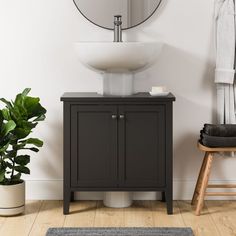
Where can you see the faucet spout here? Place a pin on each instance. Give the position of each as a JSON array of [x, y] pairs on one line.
[[117, 28]]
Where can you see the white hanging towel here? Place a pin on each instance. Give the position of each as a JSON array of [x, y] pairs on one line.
[[225, 61]]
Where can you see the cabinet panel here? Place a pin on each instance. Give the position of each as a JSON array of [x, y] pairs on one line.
[[142, 146], [93, 146]]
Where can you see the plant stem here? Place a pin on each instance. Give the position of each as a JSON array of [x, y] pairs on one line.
[[13, 160], [12, 172], [1, 159]]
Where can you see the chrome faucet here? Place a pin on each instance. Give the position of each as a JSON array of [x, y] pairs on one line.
[[117, 28]]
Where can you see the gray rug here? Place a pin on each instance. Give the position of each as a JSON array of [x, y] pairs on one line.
[[119, 232]]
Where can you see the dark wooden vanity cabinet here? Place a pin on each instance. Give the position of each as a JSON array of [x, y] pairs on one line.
[[117, 144]]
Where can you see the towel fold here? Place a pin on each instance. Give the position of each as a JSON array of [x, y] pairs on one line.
[[228, 130], [214, 141]]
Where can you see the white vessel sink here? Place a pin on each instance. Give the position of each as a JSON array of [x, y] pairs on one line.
[[125, 56], [118, 62]]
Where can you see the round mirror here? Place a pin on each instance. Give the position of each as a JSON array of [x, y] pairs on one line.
[[102, 12]]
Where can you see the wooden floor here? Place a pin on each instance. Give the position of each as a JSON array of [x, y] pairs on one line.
[[218, 217]]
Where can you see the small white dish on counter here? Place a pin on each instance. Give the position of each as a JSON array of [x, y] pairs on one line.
[[159, 94], [159, 91]]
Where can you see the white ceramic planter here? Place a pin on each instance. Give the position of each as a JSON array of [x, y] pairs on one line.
[[12, 199]]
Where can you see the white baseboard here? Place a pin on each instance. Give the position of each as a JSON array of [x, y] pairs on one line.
[[53, 190]]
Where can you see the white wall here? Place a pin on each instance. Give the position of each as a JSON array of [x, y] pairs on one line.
[[36, 50], [96, 11]]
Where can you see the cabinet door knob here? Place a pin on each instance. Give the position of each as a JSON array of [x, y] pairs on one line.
[[114, 116], [122, 116]]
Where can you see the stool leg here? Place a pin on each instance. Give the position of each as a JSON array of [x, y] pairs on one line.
[[204, 183], [199, 180]]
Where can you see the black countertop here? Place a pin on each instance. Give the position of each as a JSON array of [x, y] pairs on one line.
[[91, 96]]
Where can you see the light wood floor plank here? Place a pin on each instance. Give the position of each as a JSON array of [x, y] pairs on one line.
[[223, 214], [217, 219], [160, 217], [2, 221], [108, 217], [21, 225], [202, 225], [50, 215], [139, 215], [82, 214]]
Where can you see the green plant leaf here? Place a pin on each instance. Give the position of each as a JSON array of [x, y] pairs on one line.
[[22, 160], [33, 107], [3, 147], [40, 118], [6, 114], [26, 91], [25, 124], [9, 105], [22, 169], [9, 165], [33, 149], [11, 153], [22, 133], [15, 114], [23, 129], [35, 141], [2, 175], [3, 166], [9, 126], [19, 100], [16, 177], [19, 106], [1, 118]]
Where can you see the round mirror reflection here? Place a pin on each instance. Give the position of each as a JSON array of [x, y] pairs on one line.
[[102, 12]]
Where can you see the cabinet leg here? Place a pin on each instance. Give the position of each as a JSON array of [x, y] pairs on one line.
[[163, 196], [66, 202], [72, 196], [169, 202]]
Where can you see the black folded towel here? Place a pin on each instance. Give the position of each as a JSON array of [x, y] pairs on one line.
[[228, 130], [214, 141]]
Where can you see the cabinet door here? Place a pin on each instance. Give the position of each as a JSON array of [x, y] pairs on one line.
[[93, 146], [142, 146]]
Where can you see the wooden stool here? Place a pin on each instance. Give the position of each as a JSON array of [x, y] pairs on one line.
[[203, 178]]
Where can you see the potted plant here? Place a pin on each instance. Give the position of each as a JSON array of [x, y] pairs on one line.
[[17, 120]]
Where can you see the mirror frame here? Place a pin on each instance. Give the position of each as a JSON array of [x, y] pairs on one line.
[[122, 28]]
